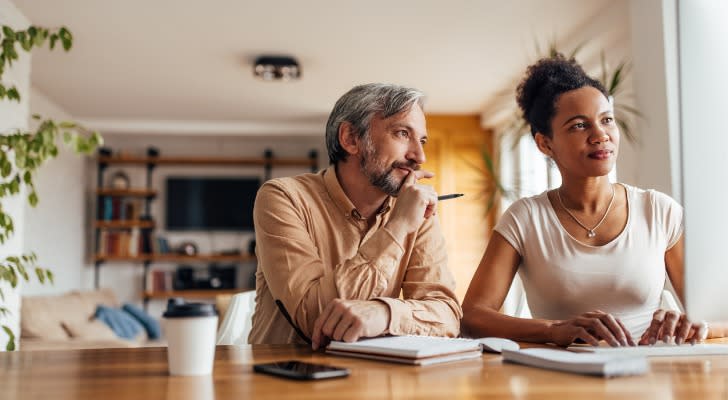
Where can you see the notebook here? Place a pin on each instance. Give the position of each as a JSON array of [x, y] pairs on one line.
[[415, 350], [658, 350], [606, 365]]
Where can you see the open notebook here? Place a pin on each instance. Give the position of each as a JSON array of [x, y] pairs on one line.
[[416, 350]]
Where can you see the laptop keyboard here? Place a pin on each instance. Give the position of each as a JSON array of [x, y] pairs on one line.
[[658, 350]]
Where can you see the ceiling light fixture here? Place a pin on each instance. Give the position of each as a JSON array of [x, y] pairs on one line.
[[274, 68]]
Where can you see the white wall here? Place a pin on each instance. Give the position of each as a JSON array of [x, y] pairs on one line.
[[14, 116], [126, 278], [703, 86], [652, 162], [54, 229]]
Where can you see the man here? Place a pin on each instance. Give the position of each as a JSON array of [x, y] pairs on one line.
[[337, 247]]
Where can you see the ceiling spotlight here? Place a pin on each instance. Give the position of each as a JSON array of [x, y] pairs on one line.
[[274, 68]]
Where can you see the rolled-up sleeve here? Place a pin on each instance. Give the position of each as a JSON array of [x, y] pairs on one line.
[[428, 305]]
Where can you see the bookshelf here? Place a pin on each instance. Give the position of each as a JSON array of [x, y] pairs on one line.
[[124, 227]]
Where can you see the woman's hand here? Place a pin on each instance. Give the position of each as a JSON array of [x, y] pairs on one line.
[[667, 324], [591, 327]]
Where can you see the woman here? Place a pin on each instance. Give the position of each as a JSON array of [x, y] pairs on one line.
[[592, 255]]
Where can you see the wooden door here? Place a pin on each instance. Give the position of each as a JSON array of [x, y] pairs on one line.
[[454, 154]]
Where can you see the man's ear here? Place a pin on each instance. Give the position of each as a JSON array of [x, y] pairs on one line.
[[543, 143], [348, 138]]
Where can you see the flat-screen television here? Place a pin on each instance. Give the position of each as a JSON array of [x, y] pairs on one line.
[[211, 204]]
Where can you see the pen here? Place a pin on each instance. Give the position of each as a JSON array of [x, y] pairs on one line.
[[290, 321], [449, 196]]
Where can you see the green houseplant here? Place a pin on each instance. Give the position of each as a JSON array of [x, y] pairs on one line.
[[22, 153]]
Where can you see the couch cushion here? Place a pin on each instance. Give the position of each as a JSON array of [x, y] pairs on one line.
[[122, 323], [154, 331], [89, 330], [42, 316]]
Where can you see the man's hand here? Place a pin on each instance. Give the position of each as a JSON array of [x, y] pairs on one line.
[[668, 324], [349, 320], [591, 327], [415, 203]]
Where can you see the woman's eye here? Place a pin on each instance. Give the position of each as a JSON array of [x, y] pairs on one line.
[[608, 120], [579, 125]]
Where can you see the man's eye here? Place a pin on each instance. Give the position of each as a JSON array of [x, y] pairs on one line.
[[403, 133], [579, 125], [608, 120]]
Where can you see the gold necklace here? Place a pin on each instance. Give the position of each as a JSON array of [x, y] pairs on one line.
[[589, 232]]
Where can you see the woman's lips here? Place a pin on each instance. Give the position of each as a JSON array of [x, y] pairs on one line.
[[600, 154]]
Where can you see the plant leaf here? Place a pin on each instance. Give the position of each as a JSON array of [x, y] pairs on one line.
[[10, 346], [40, 274]]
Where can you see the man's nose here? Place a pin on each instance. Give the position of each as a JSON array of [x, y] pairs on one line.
[[416, 153]]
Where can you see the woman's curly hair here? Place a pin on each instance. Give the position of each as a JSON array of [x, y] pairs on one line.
[[544, 82]]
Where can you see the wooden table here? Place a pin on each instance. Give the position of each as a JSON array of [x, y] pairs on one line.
[[141, 373]]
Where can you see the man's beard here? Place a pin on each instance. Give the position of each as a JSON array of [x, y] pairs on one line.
[[380, 175]]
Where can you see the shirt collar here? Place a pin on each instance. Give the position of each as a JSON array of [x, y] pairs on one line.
[[331, 182]]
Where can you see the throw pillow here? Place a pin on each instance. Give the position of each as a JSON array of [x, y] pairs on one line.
[[124, 325], [150, 324], [93, 330]]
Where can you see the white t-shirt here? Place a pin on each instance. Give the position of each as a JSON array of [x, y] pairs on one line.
[[564, 277]]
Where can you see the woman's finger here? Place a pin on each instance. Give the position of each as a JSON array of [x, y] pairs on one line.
[[584, 335], [598, 330], [650, 336], [683, 330], [630, 340], [669, 324], [615, 328]]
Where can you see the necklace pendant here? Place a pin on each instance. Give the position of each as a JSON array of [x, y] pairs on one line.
[[590, 233]]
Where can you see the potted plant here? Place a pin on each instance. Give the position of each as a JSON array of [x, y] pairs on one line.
[[22, 153]]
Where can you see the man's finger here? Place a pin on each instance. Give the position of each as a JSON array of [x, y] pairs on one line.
[[317, 336], [409, 180], [422, 174], [327, 329], [354, 332], [345, 322]]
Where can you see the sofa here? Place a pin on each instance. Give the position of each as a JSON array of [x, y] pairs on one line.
[[67, 322]]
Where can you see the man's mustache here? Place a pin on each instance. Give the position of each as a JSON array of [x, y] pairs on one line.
[[409, 164]]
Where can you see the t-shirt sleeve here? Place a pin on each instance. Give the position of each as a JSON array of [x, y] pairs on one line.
[[511, 224], [669, 214]]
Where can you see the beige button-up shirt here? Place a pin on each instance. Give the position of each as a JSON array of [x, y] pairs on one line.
[[313, 246]]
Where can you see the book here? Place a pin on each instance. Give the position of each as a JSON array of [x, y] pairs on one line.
[[415, 350], [579, 363]]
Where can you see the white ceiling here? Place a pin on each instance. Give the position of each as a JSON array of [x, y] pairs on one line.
[[167, 65]]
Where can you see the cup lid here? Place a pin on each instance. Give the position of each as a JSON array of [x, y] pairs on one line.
[[179, 308]]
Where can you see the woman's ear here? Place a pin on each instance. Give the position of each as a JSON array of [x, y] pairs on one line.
[[543, 143], [348, 138]]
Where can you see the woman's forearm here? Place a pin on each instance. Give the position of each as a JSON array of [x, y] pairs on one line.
[[487, 322]]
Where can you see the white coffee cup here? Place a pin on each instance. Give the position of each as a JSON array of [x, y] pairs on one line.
[[190, 330]]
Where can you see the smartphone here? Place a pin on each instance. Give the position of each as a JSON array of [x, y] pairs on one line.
[[300, 370]]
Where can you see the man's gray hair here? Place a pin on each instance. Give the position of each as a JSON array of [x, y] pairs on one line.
[[358, 106]]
